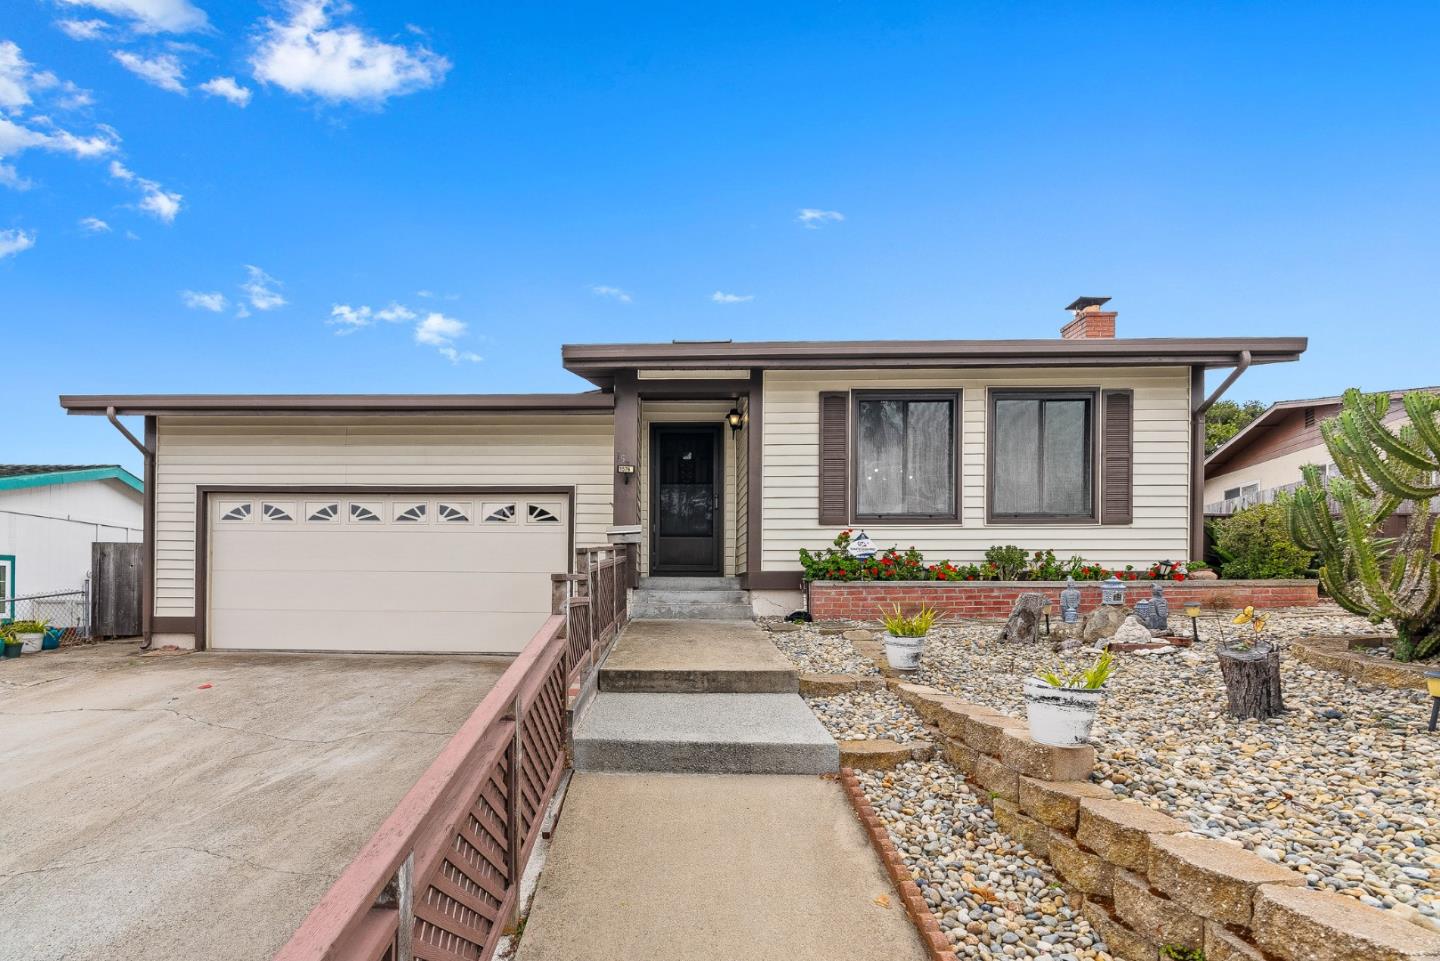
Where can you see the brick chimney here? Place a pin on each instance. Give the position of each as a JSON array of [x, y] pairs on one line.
[[1090, 321]]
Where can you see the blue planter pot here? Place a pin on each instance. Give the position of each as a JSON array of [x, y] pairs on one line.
[[52, 639], [12, 650]]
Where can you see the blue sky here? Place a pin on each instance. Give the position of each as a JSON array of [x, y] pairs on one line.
[[386, 196]]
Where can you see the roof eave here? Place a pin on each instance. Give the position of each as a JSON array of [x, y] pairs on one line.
[[236, 405], [51, 478]]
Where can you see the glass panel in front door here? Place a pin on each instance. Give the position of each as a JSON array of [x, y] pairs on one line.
[[687, 485]]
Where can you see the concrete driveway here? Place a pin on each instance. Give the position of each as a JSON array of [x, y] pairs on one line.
[[142, 817]]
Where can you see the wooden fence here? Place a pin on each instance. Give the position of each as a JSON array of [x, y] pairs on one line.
[[440, 879], [115, 588]]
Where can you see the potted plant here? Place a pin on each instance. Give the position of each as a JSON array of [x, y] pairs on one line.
[[31, 634], [1061, 708], [905, 636], [52, 639], [12, 643]]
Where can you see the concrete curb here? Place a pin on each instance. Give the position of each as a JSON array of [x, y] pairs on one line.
[[915, 904]]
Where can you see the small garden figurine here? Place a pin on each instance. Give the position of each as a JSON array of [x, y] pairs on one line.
[[1070, 602]]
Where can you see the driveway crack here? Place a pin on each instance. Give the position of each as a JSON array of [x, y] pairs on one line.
[[224, 727]]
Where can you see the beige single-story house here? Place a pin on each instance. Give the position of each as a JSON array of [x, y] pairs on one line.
[[433, 522], [1266, 456]]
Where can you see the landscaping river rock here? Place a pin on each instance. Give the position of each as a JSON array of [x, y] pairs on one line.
[[992, 898], [1342, 787]]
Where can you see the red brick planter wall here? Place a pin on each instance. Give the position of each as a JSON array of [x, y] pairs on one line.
[[862, 600]]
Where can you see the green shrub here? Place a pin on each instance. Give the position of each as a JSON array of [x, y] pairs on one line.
[[1008, 561], [1255, 543]]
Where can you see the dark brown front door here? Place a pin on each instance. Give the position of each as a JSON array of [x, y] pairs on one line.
[[685, 488]]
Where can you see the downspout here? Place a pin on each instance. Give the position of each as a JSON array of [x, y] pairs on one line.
[[1197, 446], [147, 570]]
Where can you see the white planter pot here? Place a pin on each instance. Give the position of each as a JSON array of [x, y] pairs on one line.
[[1061, 717], [903, 653], [31, 642]]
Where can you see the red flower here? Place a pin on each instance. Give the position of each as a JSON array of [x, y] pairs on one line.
[[1179, 577]]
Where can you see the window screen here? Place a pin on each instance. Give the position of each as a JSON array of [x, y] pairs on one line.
[[905, 456], [1041, 456]]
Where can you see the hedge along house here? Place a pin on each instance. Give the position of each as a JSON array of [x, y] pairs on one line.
[[433, 522]]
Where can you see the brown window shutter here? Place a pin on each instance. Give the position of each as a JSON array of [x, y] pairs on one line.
[[835, 458], [1117, 457]]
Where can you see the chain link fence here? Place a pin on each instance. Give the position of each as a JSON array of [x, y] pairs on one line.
[[65, 611]]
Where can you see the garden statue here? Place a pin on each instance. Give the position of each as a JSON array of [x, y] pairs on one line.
[[1340, 518], [1112, 592], [1070, 602], [1154, 613]]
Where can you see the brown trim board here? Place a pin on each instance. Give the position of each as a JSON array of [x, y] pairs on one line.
[[147, 554], [202, 521], [319, 404]]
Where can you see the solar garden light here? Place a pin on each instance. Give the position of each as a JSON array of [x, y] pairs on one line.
[[1192, 611], [1432, 684], [1047, 608]]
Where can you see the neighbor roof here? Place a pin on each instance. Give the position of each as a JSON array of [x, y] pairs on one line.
[[17, 476], [1250, 431], [599, 363]]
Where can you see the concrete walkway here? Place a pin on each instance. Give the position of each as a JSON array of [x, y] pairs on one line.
[[691, 867], [697, 657]]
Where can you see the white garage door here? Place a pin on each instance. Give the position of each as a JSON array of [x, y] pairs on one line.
[[392, 573]]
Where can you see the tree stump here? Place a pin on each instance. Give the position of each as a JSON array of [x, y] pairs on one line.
[[1252, 681], [1024, 622]]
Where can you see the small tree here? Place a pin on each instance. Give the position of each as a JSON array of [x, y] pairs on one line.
[[1395, 579]]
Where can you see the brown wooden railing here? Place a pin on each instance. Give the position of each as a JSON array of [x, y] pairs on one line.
[[440, 879]]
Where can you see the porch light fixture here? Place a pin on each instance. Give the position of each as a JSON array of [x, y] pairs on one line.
[[735, 419]]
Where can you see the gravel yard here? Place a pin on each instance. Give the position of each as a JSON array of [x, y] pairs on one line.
[[993, 899], [868, 716], [1351, 802]]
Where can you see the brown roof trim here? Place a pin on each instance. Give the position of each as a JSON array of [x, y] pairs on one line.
[[1233, 446], [599, 362], [313, 404]]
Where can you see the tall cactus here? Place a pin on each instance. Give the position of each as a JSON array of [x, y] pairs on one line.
[[1382, 578]]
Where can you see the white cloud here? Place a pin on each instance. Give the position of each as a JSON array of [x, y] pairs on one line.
[[438, 330], [395, 313], [720, 297], [308, 54], [14, 77], [614, 293], [260, 289], [351, 319], [155, 200], [14, 241], [151, 16], [212, 300], [10, 177], [814, 219], [83, 29], [227, 87], [94, 225], [162, 70], [455, 356]]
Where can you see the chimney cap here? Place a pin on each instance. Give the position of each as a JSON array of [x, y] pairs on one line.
[[1083, 302]]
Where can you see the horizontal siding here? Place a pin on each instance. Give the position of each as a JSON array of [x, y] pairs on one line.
[[530, 450], [688, 412], [742, 494], [1162, 456]]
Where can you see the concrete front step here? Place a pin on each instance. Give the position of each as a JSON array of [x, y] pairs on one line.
[[702, 605], [696, 657], [689, 584], [703, 734]]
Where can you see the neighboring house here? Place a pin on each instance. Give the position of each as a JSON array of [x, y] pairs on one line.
[[50, 514], [1266, 456], [433, 522]]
